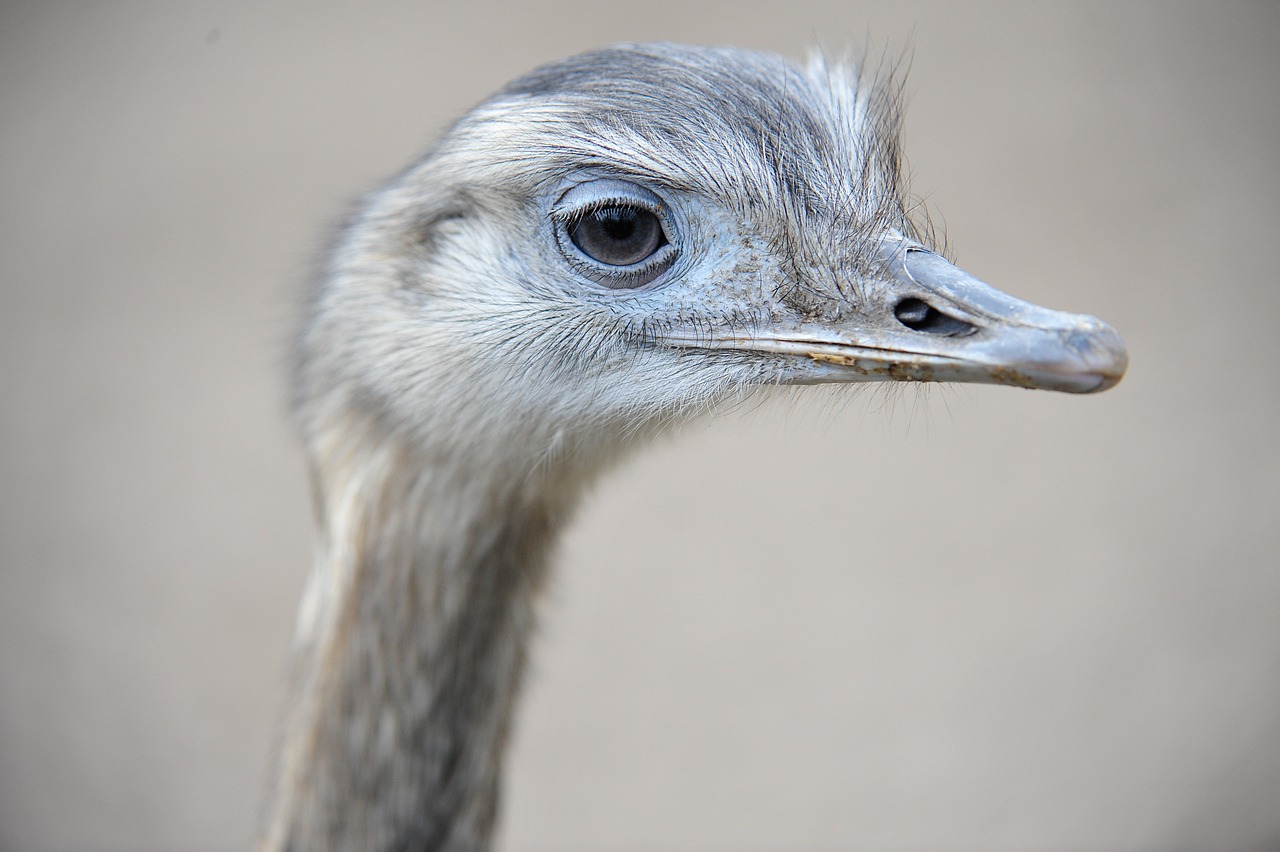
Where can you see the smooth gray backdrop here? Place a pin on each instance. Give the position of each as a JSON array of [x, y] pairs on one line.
[[955, 619]]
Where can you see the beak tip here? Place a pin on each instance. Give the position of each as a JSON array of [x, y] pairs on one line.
[[1101, 353]]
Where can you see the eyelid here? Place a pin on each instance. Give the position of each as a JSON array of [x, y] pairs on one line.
[[585, 198], [568, 215]]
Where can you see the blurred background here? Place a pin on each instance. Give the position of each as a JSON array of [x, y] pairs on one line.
[[965, 618]]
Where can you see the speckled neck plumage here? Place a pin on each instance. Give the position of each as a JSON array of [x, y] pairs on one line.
[[411, 646]]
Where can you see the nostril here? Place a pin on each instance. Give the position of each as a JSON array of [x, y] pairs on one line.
[[919, 315], [912, 313]]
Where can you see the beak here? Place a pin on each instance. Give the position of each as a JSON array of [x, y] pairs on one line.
[[924, 320]]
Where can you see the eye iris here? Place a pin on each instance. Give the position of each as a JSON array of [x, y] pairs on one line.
[[618, 235]]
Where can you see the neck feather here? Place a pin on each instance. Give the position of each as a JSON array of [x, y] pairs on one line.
[[410, 645]]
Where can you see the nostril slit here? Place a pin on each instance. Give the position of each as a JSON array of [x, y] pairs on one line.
[[912, 313], [919, 315]]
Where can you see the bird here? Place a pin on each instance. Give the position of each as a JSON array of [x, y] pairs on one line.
[[611, 245]]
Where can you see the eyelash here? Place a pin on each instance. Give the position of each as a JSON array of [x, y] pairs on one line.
[[574, 215]]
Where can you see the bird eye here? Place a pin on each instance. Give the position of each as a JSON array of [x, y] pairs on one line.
[[614, 232], [618, 235]]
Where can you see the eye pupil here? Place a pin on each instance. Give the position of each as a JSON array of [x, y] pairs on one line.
[[619, 235]]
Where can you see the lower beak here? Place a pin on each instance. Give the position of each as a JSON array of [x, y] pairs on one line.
[[928, 321]]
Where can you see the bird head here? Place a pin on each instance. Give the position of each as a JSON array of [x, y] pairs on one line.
[[633, 234]]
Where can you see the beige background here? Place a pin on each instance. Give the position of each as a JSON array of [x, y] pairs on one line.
[[963, 619]]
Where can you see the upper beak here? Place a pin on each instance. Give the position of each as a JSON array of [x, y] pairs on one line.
[[928, 321]]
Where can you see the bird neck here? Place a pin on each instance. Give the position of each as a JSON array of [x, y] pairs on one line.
[[410, 646]]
